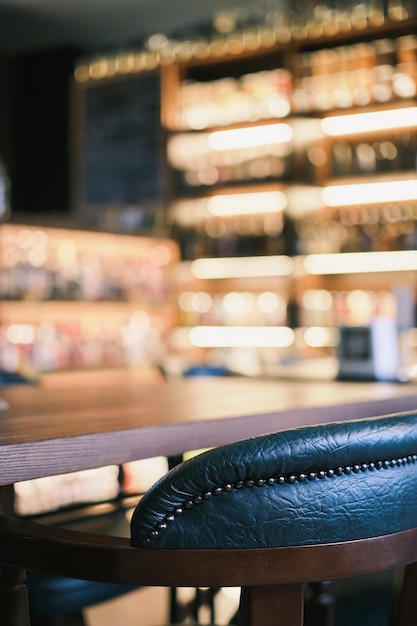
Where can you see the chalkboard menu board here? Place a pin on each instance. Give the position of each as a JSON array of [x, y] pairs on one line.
[[121, 159]]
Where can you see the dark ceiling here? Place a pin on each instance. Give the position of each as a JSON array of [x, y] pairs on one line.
[[27, 25]]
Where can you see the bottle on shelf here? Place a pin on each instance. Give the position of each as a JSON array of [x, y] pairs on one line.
[[368, 157], [4, 191], [355, 75], [252, 97]]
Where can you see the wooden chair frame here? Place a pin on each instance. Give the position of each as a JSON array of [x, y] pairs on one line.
[[271, 579]]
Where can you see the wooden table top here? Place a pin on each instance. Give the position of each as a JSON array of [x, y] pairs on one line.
[[77, 421]]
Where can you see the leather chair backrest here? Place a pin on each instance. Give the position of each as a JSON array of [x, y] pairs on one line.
[[321, 484]]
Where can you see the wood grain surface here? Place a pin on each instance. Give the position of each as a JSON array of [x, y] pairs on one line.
[[73, 421]]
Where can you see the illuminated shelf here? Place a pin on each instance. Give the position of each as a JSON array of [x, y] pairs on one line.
[[234, 337], [360, 262], [212, 269], [255, 337], [241, 267], [369, 122], [379, 192], [23, 311], [77, 299], [184, 148], [352, 92]]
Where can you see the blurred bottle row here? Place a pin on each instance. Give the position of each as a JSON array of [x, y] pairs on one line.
[[78, 299], [259, 163], [314, 307], [364, 229], [354, 157], [353, 75], [41, 265], [390, 226], [93, 340], [250, 30]]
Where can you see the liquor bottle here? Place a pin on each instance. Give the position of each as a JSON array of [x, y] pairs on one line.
[[4, 191]]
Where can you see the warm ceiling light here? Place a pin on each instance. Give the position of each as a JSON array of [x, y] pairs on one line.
[[224, 23], [241, 336], [157, 42], [247, 203], [370, 193], [242, 267], [361, 262], [236, 138], [367, 122], [82, 73], [101, 68]]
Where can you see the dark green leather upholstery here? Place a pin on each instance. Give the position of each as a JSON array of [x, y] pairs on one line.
[[58, 595], [327, 483], [364, 600]]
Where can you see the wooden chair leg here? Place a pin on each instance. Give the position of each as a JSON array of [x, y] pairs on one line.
[[173, 605], [271, 606], [14, 605]]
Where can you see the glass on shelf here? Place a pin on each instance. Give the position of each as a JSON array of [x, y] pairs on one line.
[[356, 75], [373, 228], [252, 97]]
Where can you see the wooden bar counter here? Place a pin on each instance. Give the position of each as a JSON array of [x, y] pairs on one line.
[[75, 421]]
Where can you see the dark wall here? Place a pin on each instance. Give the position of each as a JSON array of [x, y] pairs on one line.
[[5, 110], [40, 102]]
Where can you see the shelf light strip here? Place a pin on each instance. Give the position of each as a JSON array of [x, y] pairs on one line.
[[370, 193], [361, 262], [242, 267], [236, 138], [183, 148], [247, 203], [369, 122], [241, 337]]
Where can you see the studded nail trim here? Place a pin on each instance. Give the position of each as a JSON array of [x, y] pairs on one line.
[[301, 477]]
